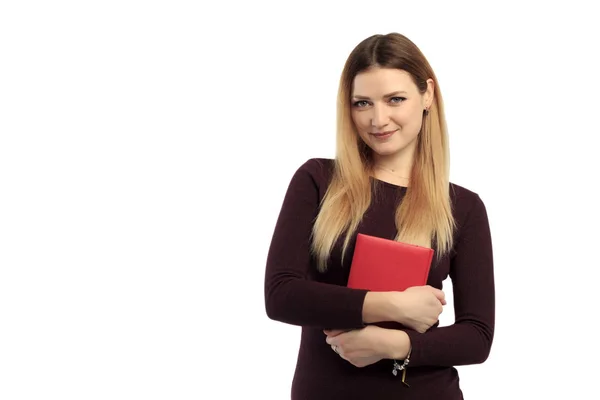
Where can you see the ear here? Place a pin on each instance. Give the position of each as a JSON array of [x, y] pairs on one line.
[[428, 95]]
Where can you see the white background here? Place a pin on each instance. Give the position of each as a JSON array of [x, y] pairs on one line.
[[145, 149]]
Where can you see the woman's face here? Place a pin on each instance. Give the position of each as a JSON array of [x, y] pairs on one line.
[[387, 110]]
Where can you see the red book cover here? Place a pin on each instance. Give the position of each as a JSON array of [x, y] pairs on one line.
[[385, 265]]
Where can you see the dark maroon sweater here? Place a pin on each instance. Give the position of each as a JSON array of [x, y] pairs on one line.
[[296, 293]]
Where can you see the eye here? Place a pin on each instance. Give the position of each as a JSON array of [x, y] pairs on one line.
[[397, 100], [360, 103]]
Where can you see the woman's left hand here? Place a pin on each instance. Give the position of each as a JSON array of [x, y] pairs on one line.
[[366, 346]]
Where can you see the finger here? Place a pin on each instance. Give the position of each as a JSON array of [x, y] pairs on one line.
[[439, 294], [338, 351], [333, 332]]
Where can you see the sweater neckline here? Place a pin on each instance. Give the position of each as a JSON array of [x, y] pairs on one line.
[[388, 184]]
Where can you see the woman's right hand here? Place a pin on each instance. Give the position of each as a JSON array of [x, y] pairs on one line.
[[419, 307]]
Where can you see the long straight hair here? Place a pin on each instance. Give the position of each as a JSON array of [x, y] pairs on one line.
[[424, 217]]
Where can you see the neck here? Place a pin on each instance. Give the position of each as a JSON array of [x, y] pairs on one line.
[[394, 164]]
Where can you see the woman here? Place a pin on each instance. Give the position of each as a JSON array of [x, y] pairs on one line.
[[390, 178]]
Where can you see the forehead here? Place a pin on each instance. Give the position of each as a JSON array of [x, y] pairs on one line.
[[376, 82]]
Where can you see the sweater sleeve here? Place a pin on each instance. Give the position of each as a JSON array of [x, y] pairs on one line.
[[469, 339], [290, 296]]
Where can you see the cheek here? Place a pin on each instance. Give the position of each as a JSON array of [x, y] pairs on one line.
[[361, 120], [406, 118], [402, 116]]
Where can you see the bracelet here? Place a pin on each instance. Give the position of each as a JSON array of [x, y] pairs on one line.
[[398, 367]]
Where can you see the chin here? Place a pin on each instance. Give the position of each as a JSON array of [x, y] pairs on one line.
[[399, 145], [387, 150], [382, 152]]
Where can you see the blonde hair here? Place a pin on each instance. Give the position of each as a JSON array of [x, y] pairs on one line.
[[424, 216]]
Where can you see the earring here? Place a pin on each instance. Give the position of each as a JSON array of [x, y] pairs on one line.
[[426, 111]]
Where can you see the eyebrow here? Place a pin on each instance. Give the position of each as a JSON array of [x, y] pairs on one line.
[[387, 95]]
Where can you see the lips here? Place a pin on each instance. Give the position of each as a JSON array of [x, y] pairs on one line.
[[381, 135]]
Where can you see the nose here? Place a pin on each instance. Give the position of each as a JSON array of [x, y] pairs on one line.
[[380, 116]]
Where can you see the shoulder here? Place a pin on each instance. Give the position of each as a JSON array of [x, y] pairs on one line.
[[319, 168], [463, 197], [315, 173], [467, 205]]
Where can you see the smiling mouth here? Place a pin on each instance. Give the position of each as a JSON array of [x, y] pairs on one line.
[[382, 134]]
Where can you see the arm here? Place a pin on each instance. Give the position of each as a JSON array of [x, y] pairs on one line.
[[292, 298], [469, 339]]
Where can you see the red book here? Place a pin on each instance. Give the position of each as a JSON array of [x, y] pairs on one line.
[[385, 265]]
